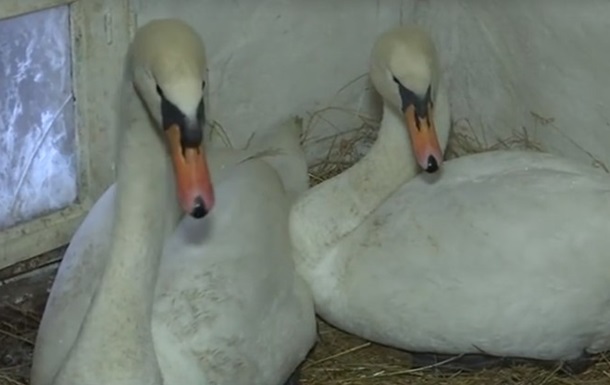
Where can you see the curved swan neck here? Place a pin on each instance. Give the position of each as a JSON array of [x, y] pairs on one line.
[[117, 328], [388, 164], [334, 208], [139, 225]]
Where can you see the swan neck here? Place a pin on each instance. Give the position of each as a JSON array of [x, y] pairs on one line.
[[117, 328], [139, 228], [387, 166], [389, 163], [331, 210]]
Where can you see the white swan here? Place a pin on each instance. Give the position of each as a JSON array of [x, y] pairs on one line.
[[503, 253], [143, 297]]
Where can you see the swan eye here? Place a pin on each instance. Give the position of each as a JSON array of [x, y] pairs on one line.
[[159, 91], [203, 85], [396, 80]]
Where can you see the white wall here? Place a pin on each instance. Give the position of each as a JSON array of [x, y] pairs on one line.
[[504, 60]]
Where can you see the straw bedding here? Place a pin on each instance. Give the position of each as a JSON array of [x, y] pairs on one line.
[[338, 358]]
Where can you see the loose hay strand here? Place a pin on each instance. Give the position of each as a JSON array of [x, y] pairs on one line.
[[343, 150], [348, 351], [6, 379], [16, 336]]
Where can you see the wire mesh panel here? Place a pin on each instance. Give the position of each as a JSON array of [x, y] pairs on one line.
[[38, 162]]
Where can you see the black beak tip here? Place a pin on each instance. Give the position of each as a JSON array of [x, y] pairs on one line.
[[432, 165], [199, 211]]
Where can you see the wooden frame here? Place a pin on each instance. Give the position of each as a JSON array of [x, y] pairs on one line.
[[101, 31]]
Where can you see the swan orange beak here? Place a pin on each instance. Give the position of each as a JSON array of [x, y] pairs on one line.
[[193, 181], [424, 141]]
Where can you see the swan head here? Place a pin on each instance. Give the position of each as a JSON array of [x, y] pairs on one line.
[[404, 70], [168, 71]]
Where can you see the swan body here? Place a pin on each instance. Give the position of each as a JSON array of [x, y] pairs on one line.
[[501, 253], [145, 295]]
